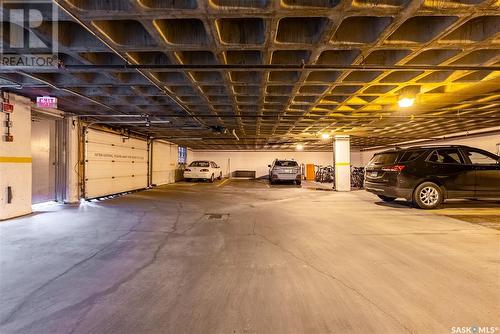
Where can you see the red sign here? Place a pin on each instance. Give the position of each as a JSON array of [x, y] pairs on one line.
[[7, 107], [46, 102]]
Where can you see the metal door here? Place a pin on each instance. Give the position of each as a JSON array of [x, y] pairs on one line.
[[43, 152]]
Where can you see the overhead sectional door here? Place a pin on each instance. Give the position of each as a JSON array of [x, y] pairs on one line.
[[165, 156], [114, 164]]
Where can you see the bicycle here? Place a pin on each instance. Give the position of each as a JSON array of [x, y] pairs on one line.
[[357, 177], [325, 174]]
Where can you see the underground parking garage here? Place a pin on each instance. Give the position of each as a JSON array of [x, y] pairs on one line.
[[250, 166]]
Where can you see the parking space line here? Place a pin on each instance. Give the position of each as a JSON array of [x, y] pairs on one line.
[[188, 184], [469, 211], [220, 184]]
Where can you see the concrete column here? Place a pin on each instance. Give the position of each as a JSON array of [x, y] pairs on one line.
[[15, 161], [342, 151], [72, 162]]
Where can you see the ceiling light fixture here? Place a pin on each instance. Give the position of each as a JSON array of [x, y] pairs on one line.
[[406, 102], [325, 136], [299, 147]]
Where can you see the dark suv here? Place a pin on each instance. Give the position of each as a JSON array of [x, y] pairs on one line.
[[427, 175]]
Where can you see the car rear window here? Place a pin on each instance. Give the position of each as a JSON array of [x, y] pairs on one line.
[[410, 155], [199, 164], [286, 163], [384, 158]]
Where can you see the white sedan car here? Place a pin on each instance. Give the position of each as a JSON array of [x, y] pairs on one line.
[[206, 170]]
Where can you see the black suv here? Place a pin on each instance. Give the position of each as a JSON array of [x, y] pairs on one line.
[[427, 175]]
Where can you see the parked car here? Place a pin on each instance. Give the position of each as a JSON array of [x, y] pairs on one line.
[[206, 170], [427, 175], [285, 170]]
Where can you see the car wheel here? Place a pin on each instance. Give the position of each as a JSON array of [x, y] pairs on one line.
[[428, 195], [298, 182], [386, 198], [220, 176], [212, 179]]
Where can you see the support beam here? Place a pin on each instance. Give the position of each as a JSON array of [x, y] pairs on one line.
[[342, 153]]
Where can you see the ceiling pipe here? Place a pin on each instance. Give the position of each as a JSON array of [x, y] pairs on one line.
[[76, 19], [267, 116], [286, 67], [146, 123], [464, 134], [127, 63], [180, 138], [65, 90], [113, 116], [129, 122]]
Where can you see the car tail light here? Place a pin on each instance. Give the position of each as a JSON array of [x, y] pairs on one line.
[[394, 168], [187, 170], [204, 170]]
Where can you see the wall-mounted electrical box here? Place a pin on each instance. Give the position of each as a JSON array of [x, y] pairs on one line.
[[7, 107], [9, 138]]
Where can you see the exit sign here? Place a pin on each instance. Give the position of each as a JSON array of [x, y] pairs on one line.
[[46, 102]]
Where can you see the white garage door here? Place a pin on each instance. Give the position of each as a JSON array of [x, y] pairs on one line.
[[165, 156], [114, 164]]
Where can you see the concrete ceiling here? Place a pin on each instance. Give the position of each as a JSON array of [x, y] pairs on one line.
[[277, 72]]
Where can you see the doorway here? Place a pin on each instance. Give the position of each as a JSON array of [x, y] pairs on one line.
[[47, 151]]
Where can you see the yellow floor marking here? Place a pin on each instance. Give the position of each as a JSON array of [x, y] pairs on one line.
[[469, 211], [220, 184]]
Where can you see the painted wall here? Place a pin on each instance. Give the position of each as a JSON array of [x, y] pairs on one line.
[[488, 142], [15, 161], [165, 156], [257, 161], [190, 155]]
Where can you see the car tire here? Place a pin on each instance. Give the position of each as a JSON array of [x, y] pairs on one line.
[[212, 179], [386, 198], [427, 195], [220, 176], [298, 182]]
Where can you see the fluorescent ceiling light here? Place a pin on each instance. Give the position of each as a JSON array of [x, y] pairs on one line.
[[406, 102]]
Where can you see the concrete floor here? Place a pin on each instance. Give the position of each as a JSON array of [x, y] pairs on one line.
[[243, 257]]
